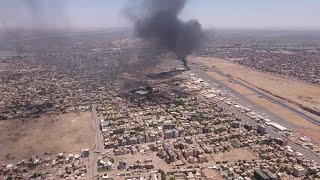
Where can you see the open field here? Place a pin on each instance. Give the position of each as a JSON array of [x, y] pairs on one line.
[[212, 175], [156, 161], [132, 159], [57, 133], [235, 155]]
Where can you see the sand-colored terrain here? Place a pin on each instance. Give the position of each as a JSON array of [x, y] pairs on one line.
[[235, 155], [57, 133], [307, 128], [315, 135], [157, 162], [240, 89], [293, 90], [284, 114], [130, 159]]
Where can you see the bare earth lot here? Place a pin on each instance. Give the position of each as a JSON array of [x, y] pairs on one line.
[[58, 133], [132, 159], [235, 155]]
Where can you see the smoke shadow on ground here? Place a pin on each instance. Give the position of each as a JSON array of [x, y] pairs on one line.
[[159, 96], [165, 74]]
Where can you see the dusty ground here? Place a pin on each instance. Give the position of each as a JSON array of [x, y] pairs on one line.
[[235, 155], [295, 91], [314, 135], [156, 161], [302, 93], [58, 133], [211, 174], [240, 89], [306, 128], [132, 159], [287, 115]]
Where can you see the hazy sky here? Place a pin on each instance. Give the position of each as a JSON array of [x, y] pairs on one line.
[[279, 14]]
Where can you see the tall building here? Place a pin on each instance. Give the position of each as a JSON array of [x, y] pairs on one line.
[[299, 171], [260, 175], [168, 134], [235, 124], [168, 126], [261, 129], [122, 165], [175, 133]]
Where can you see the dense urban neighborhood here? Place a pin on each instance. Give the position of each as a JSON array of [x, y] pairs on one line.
[[300, 64], [171, 125]]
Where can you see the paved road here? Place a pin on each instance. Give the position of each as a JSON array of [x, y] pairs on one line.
[[94, 156], [245, 101]]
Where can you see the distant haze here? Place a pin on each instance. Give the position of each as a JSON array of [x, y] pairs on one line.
[[32, 14], [94, 14]]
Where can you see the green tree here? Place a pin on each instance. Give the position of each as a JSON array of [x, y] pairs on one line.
[[163, 176]]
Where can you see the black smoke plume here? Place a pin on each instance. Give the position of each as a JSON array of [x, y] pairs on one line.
[[158, 21]]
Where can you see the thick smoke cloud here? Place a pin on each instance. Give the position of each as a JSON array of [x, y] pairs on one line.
[[158, 20]]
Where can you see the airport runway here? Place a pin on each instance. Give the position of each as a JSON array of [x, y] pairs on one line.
[[303, 115], [245, 101]]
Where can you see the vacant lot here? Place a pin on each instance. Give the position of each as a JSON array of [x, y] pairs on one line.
[[132, 159], [156, 161], [22, 138], [235, 155]]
